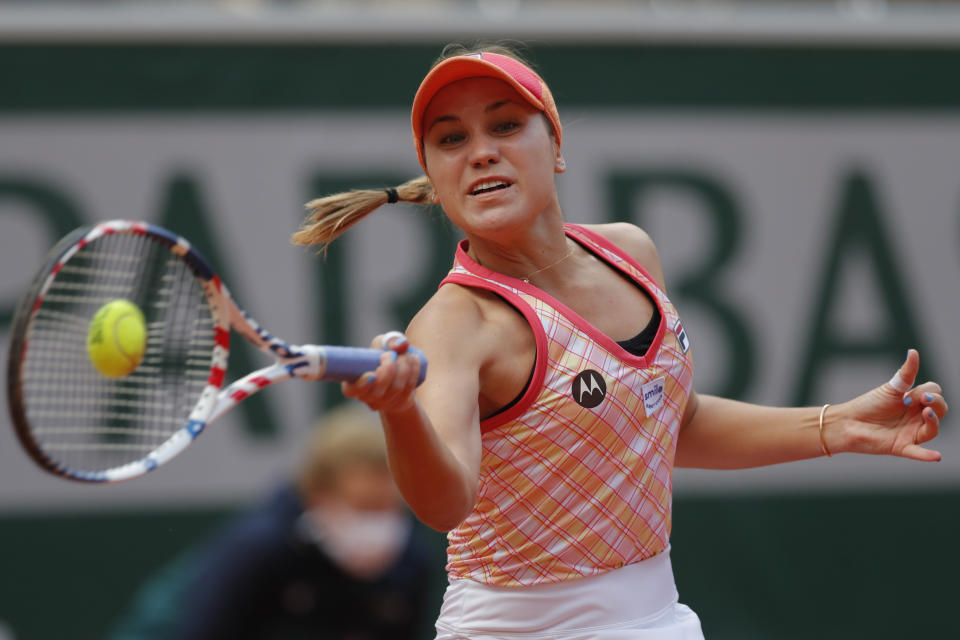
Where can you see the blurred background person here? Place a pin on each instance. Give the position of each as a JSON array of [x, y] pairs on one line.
[[330, 554]]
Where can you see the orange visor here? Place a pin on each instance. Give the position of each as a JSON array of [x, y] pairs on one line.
[[492, 65]]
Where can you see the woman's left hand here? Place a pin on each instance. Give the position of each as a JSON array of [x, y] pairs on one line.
[[895, 418]]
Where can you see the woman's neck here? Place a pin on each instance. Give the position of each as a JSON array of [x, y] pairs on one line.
[[530, 253]]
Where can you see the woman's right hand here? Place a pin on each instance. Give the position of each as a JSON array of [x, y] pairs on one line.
[[392, 385]]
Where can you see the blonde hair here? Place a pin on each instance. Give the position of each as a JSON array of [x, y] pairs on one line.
[[346, 436], [508, 48], [332, 215]]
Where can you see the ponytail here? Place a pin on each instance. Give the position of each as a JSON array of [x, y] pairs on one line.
[[332, 215]]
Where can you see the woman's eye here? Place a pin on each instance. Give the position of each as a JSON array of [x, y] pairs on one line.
[[506, 127], [451, 138]]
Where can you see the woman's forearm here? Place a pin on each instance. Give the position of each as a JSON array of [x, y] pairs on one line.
[[438, 483], [727, 434]]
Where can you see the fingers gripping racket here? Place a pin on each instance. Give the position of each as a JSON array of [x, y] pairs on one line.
[[80, 423]]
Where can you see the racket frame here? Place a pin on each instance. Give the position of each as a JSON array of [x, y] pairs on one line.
[[307, 362]]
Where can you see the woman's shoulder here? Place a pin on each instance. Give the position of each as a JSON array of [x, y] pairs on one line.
[[457, 309], [635, 242], [628, 237], [465, 329]]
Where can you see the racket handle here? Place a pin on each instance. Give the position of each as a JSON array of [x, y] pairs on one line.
[[349, 363]]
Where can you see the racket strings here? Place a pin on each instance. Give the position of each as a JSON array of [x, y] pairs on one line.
[[83, 420]]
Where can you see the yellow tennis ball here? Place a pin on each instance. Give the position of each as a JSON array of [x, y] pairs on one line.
[[117, 338]]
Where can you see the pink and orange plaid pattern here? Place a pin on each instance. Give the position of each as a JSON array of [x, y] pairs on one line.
[[568, 488]]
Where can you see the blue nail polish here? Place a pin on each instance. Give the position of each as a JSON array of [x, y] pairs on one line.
[[928, 397], [907, 400], [393, 356], [371, 380]]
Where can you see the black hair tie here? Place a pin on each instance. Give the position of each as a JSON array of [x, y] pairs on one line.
[[392, 195]]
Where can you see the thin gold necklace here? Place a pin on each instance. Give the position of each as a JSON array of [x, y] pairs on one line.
[[549, 266]]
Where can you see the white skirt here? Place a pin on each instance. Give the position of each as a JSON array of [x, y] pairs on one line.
[[636, 602]]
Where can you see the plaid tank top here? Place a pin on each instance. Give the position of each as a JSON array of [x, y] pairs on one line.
[[576, 476]]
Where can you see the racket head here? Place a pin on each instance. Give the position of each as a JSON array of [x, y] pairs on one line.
[[79, 424]]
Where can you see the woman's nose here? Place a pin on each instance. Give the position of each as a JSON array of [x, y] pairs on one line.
[[484, 152]]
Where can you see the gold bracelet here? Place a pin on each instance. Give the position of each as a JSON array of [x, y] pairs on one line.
[[823, 442]]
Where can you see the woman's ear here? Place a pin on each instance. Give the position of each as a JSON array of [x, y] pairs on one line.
[[559, 165], [434, 197]]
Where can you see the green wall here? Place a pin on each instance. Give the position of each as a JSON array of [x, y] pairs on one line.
[[70, 78], [782, 568]]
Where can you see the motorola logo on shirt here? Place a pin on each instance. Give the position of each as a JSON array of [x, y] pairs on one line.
[[588, 389]]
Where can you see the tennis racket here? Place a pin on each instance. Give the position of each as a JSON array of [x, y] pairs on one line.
[[80, 424]]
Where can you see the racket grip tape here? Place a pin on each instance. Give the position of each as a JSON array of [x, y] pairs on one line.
[[349, 363]]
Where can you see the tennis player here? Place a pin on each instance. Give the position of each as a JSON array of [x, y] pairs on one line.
[[560, 391]]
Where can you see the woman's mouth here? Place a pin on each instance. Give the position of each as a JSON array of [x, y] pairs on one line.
[[488, 186]]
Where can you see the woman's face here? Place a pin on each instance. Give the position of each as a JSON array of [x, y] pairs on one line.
[[490, 156]]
